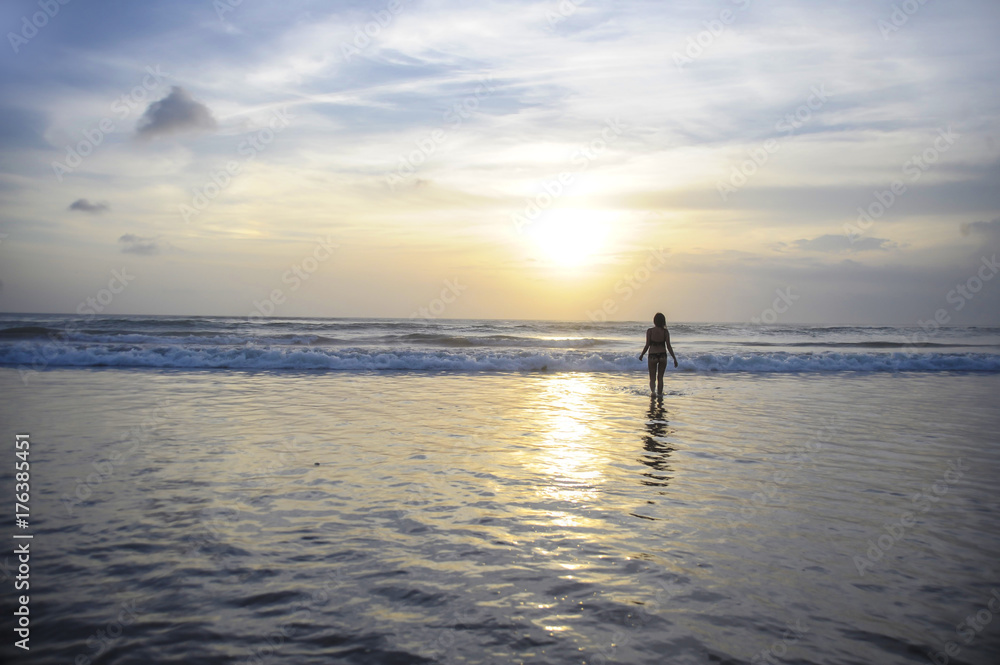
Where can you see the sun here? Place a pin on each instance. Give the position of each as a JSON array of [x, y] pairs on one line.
[[571, 238]]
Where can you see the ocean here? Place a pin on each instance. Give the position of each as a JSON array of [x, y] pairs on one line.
[[39, 341], [209, 490]]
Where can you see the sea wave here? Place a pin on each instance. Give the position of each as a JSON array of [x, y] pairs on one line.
[[873, 344], [517, 341], [30, 332], [279, 337], [33, 355]]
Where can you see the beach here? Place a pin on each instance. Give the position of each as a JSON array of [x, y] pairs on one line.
[[225, 515], [322, 333]]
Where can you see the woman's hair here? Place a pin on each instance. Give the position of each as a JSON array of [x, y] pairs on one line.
[[660, 320]]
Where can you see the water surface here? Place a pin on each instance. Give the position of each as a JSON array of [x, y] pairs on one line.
[[372, 517]]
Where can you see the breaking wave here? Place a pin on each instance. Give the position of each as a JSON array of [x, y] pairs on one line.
[[250, 356]]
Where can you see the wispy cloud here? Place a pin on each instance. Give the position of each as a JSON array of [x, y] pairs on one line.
[[842, 244]]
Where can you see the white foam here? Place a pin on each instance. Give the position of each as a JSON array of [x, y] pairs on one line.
[[283, 356]]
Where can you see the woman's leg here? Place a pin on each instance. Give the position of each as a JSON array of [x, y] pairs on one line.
[[652, 375], [660, 367]]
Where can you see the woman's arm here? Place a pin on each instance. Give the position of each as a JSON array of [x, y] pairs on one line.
[[670, 348], [645, 348]]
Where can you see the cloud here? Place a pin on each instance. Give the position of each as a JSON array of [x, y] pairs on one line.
[[841, 243], [134, 244], [176, 113], [991, 230], [83, 205]]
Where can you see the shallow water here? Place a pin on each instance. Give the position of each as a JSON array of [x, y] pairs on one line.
[[508, 517]]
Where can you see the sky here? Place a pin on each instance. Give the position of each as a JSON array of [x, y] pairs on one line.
[[735, 160]]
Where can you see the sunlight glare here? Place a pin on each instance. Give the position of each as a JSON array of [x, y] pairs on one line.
[[570, 238]]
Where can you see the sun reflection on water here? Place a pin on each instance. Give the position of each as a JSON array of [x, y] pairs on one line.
[[568, 457]]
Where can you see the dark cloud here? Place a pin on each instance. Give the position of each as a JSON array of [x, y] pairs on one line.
[[83, 205], [134, 244], [841, 243], [989, 230], [176, 113]]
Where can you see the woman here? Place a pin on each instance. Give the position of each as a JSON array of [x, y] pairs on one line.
[[658, 343]]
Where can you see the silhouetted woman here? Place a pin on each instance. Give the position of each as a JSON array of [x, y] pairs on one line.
[[658, 344]]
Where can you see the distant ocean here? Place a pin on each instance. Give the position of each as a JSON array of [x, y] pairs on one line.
[[381, 492], [472, 345]]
